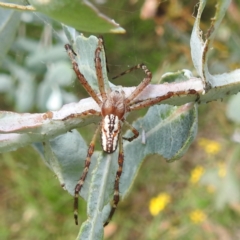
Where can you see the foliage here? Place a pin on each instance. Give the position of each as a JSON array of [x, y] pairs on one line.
[[197, 214], [82, 15]]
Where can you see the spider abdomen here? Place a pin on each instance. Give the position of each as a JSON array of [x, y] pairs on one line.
[[111, 128]]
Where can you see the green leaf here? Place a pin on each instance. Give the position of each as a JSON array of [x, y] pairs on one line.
[[9, 21], [233, 110], [81, 15]]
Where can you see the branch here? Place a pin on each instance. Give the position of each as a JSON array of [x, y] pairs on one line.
[[27, 128]]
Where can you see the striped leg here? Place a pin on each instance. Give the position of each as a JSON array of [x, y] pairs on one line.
[[151, 101], [84, 174], [82, 114], [142, 85], [80, 76], [116, 196], [98, 67], [134, 131]]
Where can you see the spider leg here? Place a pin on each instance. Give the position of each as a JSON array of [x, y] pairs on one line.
[[101, 37], [80, 76], [116, 196], [85, 113], [142, 85], [98, 67], [151, 101], [84, 174], [134, 131]]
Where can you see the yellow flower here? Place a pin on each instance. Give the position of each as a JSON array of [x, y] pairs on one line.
[[196, 174], [197, 216], [158, 203], [211, 189], [210, 147], [222, 171]]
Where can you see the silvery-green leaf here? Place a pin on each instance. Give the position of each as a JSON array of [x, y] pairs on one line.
[[49, 94], [85, 49], [233, 110], [43, 56], [9, 21], [65, 155], [200, 48], [6, 83], [169, 132], [24, 94]]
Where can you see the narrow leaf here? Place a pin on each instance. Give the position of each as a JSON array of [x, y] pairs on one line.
[[9, 21], [200, 48]]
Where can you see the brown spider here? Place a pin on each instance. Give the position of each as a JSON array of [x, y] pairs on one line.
[[114, 106]]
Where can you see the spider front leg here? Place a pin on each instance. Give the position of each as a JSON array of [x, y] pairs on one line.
[[116, 196], [80, 76], [84, 174], [98, 67], [142, 84]]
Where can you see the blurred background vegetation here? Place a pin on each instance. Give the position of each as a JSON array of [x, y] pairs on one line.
[[197, 197]]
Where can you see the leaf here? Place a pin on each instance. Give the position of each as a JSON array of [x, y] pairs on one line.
[[200, 48], [9, 21], [45, 55], [6, 83], [49, 95], [65, 155], [169, 132], [81, 15], [85, 49], [24, 96], [233, 110]]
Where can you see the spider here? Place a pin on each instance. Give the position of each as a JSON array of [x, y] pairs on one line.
[[114, 106]]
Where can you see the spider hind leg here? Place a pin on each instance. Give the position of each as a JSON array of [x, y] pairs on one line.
[[80, 183], [116, 196]]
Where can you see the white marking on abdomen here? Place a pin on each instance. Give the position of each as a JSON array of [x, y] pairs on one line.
[[110, 133]]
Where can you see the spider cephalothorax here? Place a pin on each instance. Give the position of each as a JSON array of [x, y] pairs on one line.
[[114, 105]]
